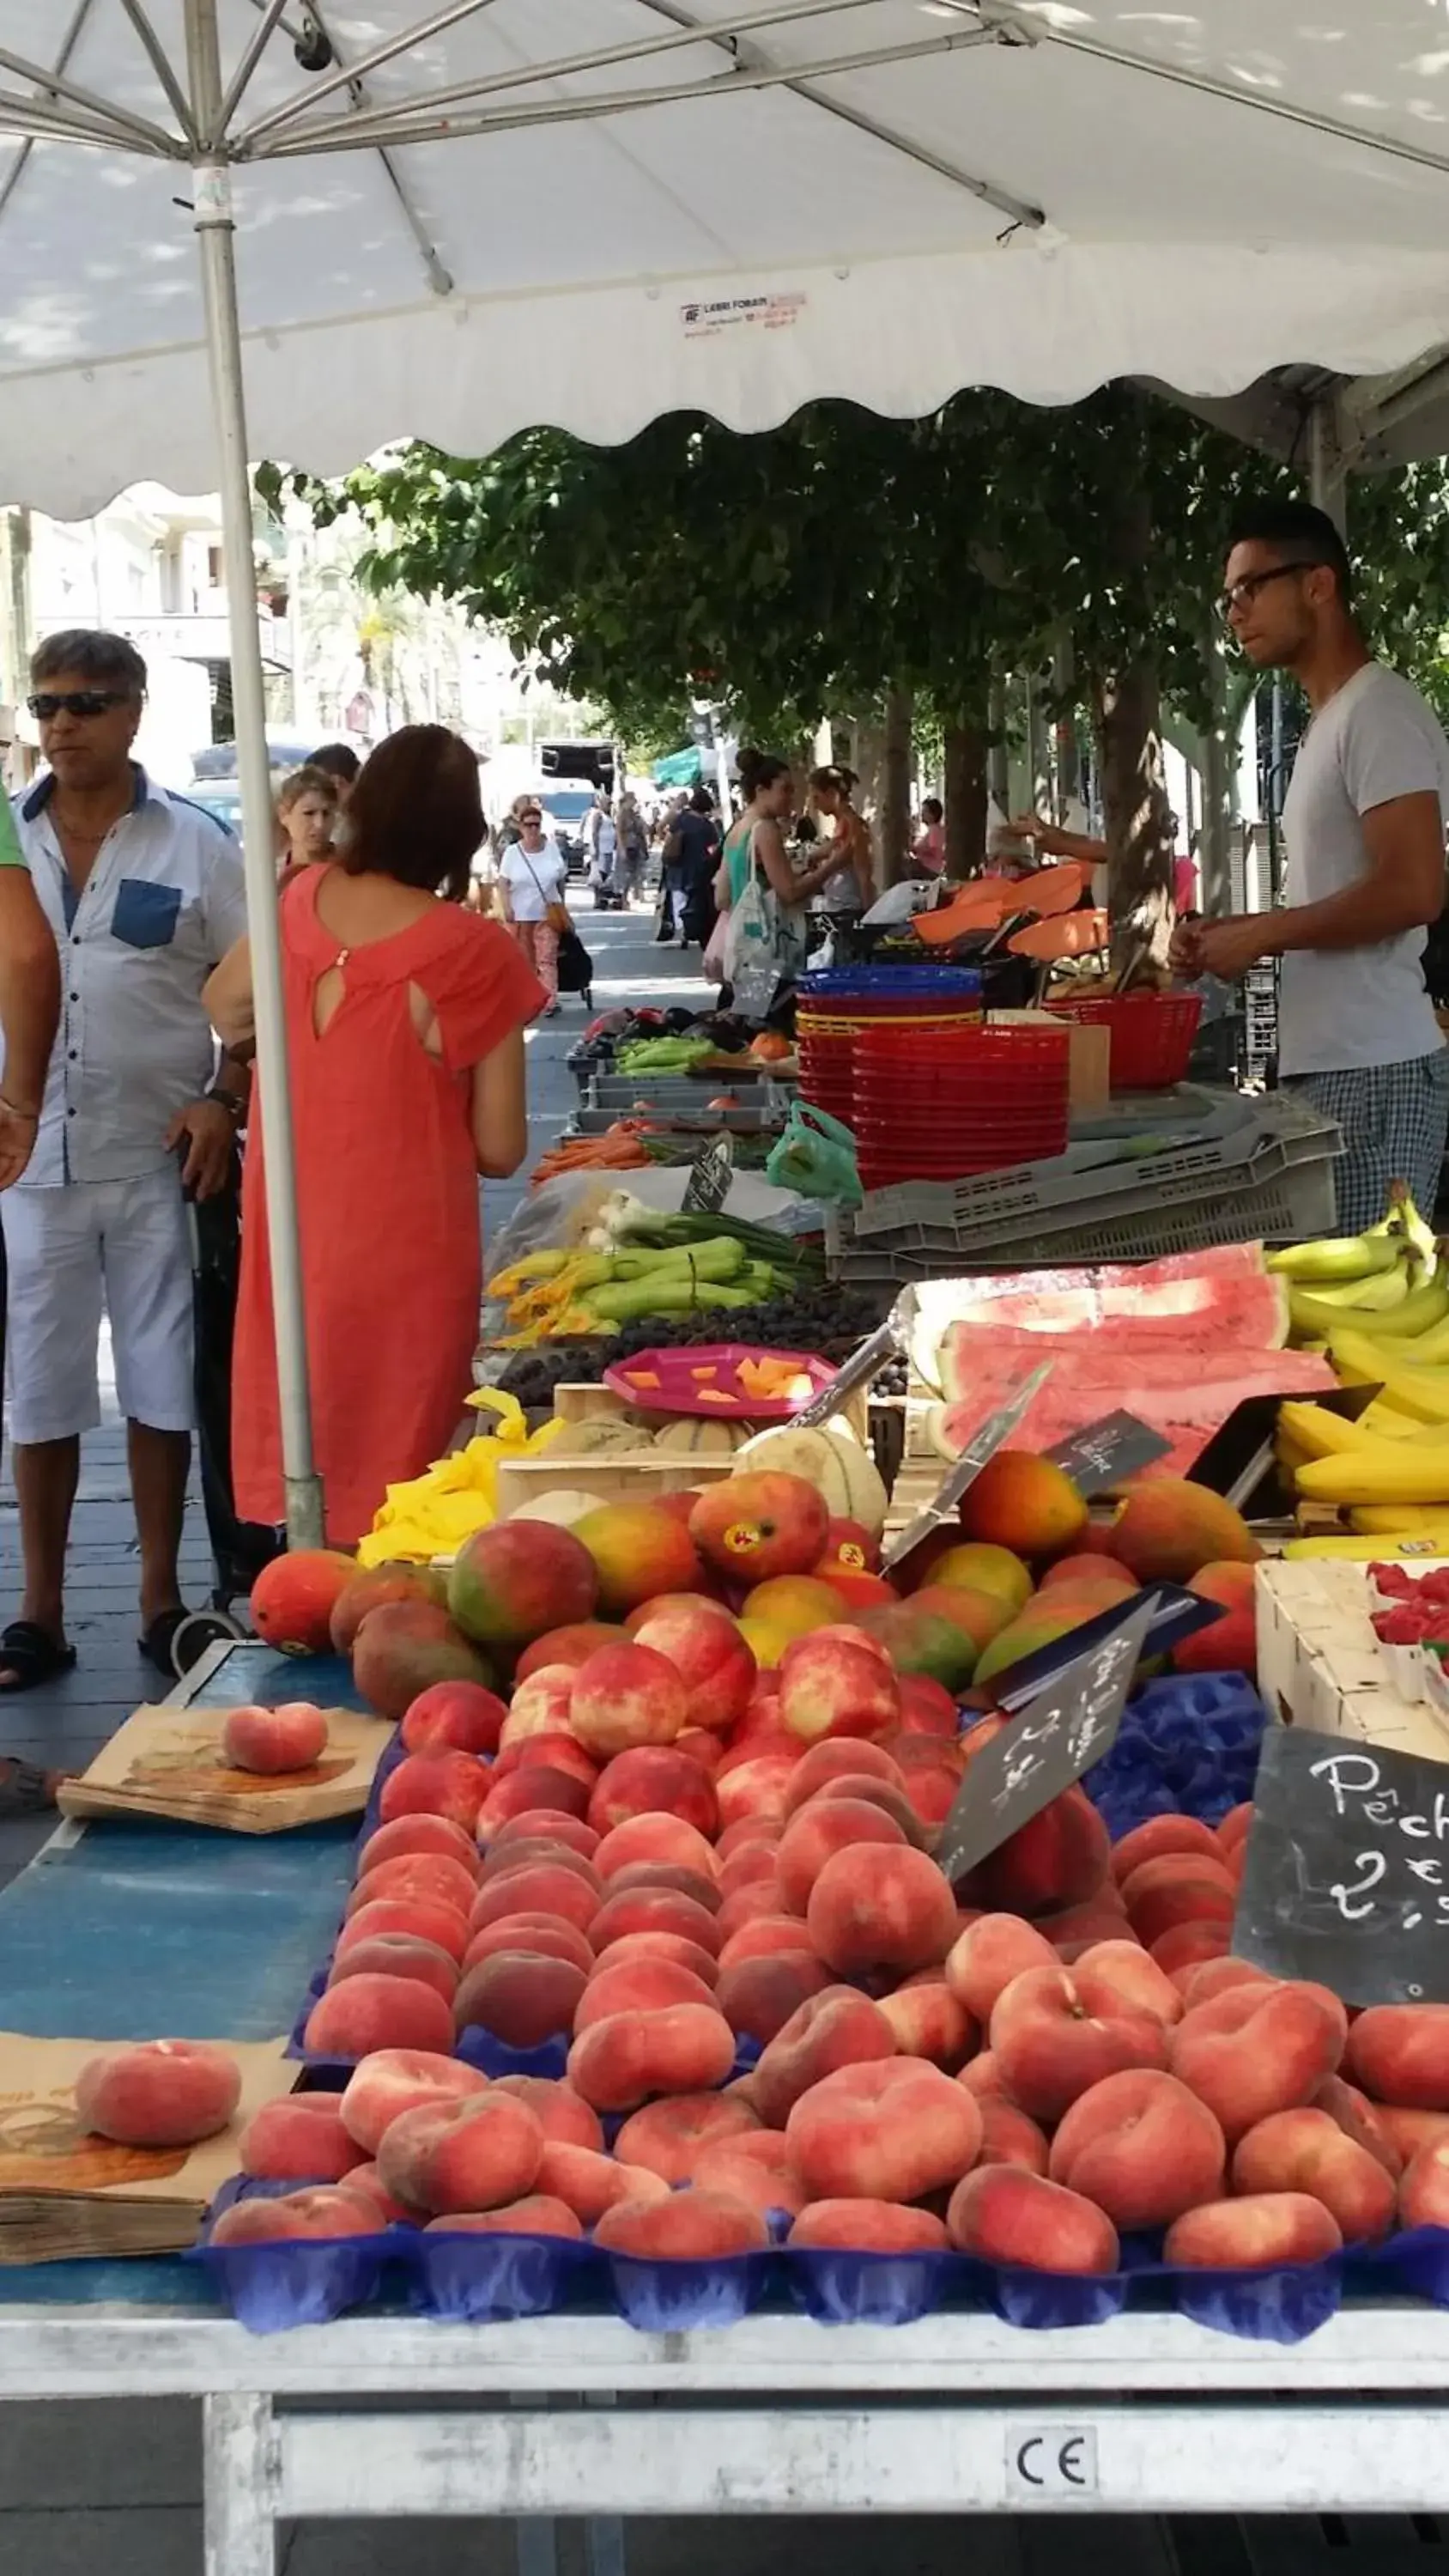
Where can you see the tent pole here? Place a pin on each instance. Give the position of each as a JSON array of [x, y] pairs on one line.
[[1327, 469], [215, 237]]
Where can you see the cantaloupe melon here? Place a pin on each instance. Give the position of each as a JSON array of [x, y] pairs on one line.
[[832, 1460]]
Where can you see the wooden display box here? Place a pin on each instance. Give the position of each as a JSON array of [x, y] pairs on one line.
[[1319, 1663], [622, 1475]]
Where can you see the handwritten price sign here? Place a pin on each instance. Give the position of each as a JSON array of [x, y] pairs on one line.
[[1347, 1872], [1056, 1737]]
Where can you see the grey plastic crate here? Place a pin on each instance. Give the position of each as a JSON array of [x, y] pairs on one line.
[[1299, 1202], [696, 1120], [1248, 1148], [618, 1091]]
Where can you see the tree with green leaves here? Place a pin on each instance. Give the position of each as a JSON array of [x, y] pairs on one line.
[[845, 562]]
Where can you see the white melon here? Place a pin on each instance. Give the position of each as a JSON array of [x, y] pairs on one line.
[[832, 1460], [698, 1437]]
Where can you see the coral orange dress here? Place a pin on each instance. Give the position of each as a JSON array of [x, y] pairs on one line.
[[387, 1192]]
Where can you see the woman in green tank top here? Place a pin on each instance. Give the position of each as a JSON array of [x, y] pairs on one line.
[[769, 792]]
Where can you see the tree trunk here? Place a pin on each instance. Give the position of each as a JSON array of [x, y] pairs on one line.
[[1068, 752], [964, 764], [868, 763], [998, 756], [893, 822], [1139, 833]]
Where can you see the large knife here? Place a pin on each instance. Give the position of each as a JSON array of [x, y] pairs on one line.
[[995, 1430], [870, 1356]]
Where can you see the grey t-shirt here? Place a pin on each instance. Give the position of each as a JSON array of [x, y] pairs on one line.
[[1376, 739]]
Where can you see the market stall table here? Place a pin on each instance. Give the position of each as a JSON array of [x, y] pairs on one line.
[[385, 2414]]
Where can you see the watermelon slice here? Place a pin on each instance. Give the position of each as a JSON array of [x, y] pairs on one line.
[[1180, 1343]]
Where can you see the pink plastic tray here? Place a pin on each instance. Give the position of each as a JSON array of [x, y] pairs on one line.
[[680, 1388]]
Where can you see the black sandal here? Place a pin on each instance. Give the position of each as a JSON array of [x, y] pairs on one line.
[[24, 1791], [32, 1655], [160, 1639]]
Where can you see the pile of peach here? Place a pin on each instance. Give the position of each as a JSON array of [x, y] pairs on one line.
[[930, 2077], [1108, 2098]]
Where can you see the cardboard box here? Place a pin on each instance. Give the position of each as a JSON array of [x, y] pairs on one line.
[[1321, 1666], [1089, 1056]]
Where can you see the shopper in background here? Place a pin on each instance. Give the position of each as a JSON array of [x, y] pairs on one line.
[[755, 845], [143, 894], [533, 873], [691, 857], [405, 1020], [340, 763], [929, 850], [602, 841], [1364, 823], [308, 805], [633, 855], [850, 885]]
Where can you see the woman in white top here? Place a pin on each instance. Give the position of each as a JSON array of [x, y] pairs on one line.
[[533, 874]]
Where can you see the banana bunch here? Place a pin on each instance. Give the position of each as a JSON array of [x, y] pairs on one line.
[[1378, 1305], [1390, 1278]]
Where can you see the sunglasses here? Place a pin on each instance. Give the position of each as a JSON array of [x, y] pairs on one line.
[[530, 818], [48, 703]]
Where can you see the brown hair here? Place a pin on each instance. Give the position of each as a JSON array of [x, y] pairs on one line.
[[416, 813], [309, 780]]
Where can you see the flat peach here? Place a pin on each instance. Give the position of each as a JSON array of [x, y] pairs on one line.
[[1142, 2147], [1008, 2216], [1267, 2229]]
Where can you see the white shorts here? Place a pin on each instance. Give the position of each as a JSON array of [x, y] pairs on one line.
[[126, 1243]]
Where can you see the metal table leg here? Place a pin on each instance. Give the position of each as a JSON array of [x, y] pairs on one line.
[[239, 2470]]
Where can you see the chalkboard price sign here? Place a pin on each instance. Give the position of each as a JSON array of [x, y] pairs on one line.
[[1056, 1737], [1103, 1454], [710, 1175], [1346, 1878]]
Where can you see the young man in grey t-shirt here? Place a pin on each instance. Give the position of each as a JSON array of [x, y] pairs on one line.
[[1364, 823]]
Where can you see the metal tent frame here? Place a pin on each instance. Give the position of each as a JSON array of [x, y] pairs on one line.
[[338, 108]]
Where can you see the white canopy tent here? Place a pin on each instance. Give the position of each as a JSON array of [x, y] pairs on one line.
[[645, 206]]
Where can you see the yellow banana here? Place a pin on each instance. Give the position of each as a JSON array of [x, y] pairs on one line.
[[1379, 1294], [1399, 1520], [1367, 1551], [1431, 1349], [1403, 1219], [1393, 1473], [1382, 1421], [1319, 1433], [1417, 1314], [1422, 1392], [1342, 1257]]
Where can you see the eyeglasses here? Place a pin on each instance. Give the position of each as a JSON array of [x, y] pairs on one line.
[[49, 703], [1243, 592]]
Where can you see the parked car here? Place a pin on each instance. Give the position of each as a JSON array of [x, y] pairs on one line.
[[565, 811]]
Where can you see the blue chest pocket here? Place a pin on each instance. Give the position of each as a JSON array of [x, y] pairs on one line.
[[145, 915]]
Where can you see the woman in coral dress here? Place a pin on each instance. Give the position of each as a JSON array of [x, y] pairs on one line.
[[405, 1020]]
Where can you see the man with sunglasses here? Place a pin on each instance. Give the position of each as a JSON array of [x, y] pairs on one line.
[[143, 896], [1364, 825]]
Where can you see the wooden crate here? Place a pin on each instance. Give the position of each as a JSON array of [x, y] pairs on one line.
[[634, 1476], [1319, 1663]]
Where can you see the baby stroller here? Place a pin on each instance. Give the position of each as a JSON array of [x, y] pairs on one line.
[[239, 1548]]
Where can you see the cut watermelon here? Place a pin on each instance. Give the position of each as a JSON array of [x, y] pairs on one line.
[[1178, 1343]]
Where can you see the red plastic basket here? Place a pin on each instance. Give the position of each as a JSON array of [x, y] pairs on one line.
[[1152, 1034]]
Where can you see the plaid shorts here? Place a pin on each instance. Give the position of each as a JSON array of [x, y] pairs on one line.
[[1394, 1119]]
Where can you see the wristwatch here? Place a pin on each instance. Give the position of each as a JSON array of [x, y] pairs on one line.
[[231, 1101]]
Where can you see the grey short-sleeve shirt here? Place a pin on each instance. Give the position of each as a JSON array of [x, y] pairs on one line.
[[1374, 741]]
